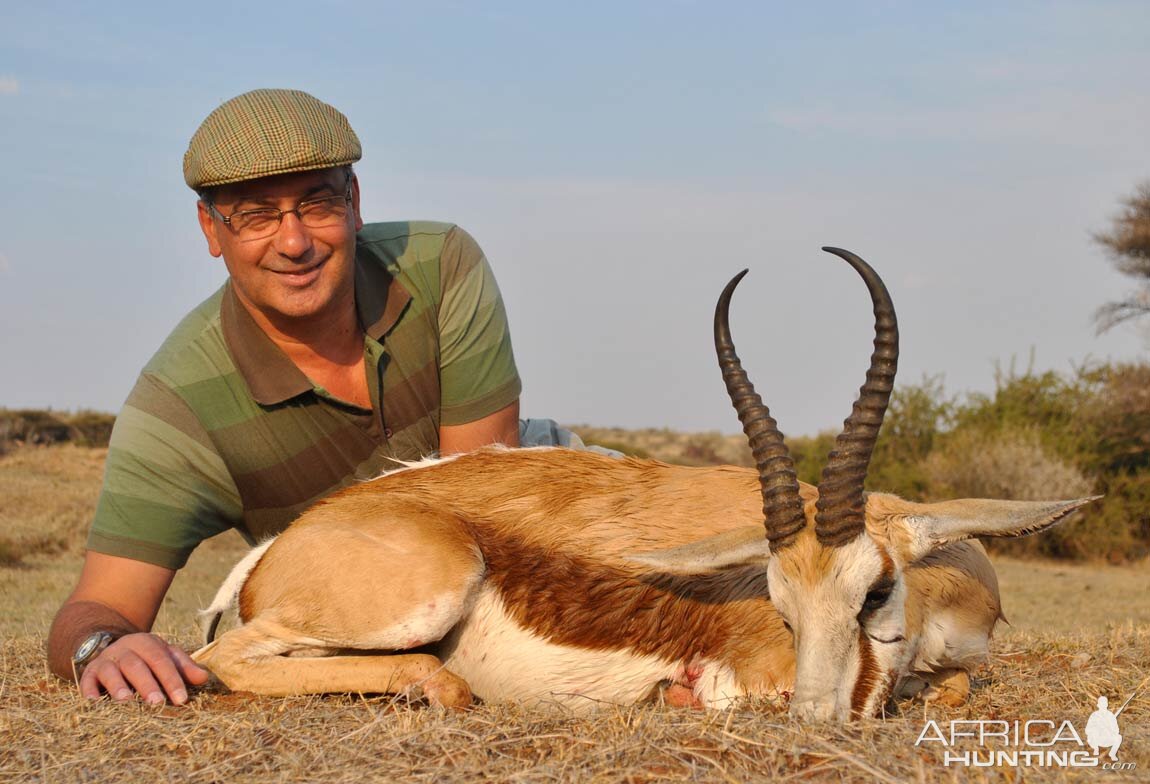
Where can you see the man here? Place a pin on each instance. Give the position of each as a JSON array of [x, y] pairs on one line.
[[333, 349]]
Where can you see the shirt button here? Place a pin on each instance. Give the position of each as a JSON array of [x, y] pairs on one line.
[[387, 432]]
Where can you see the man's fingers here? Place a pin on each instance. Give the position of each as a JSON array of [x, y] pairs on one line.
[[192, 672], [89, 686], [139, 673], [174, 668], [105, 674]]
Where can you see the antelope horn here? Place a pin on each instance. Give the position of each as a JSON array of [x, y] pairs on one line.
[[782, 506], [840, 516]]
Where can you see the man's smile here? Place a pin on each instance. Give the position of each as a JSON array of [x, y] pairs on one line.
[[300, 276]]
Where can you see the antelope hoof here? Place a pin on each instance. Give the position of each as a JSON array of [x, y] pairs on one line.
[[446, 690], [950, 688], [676, 695]]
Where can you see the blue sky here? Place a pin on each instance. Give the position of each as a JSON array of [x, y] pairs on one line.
[[618, 162]]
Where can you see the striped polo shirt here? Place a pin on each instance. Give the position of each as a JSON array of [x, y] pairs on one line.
[[223, 431]]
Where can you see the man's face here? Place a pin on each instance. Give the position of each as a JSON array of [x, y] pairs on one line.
[[298, 272]]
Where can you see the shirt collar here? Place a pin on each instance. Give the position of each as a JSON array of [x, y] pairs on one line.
[[272, 377], [380, 298]]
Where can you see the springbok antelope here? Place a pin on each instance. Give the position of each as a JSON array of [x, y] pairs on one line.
[[552, 575]]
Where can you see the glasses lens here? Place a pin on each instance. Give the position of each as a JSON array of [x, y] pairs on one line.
[[256, 224], [323, 212], [315, 214]]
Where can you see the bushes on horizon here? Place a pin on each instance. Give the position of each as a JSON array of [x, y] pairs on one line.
[[1037, 436], [916, 418], [44, 427], [1116, 419], [810, 454], [1014, 465], [94, 427], [1009, 464]]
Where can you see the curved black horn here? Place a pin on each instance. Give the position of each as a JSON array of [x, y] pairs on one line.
[[782, 506], [841, 517]]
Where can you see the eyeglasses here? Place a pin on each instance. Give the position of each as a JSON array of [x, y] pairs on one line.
[[262, 223]]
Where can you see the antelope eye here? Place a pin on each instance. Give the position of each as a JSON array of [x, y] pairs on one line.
[[877, 596]]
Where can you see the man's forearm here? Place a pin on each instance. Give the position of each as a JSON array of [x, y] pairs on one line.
[[74, 622]]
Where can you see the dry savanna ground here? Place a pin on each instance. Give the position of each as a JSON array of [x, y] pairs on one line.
[[1077, 632]]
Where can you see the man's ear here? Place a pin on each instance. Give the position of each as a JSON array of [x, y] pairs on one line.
[[209, 227], [915, 529], [355, 202]]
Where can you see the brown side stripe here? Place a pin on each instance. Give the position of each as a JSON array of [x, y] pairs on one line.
[[603, 608]]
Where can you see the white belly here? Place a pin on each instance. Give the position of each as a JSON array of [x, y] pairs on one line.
[[502, 661]]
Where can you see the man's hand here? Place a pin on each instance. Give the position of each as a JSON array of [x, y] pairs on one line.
[[121, 596], [142, 664]]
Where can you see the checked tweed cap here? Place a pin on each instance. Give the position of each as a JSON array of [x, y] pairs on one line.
[[268, 132]]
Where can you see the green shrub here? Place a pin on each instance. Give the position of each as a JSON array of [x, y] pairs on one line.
[[1116, 419], [34, 426], [1037, 436], [810, 455], [41, 427], [1006, 463], [94, 427], [1014, 464], [1048, 402]]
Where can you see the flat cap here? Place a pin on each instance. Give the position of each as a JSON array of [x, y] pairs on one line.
[[267, 132]]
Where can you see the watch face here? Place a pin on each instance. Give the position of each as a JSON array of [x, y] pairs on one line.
[[89, 646]]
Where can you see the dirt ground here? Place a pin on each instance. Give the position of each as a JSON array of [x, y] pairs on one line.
[[1076, 632]]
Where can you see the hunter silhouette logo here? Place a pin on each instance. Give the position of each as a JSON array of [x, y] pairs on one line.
[[984, 743], [1102, 728]]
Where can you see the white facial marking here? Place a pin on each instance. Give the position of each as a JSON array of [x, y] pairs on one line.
[[839, 640]]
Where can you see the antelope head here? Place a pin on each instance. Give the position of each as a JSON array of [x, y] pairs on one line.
[[835, 564]]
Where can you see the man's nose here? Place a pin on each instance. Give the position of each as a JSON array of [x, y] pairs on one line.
[[293, 240]]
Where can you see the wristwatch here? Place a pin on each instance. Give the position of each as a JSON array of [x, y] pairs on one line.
[[91, 647]]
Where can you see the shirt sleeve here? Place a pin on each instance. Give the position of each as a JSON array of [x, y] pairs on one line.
[[166, 489], [477, 367]]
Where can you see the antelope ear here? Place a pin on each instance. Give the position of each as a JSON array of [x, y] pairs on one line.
[[732, 548], [916, 529]]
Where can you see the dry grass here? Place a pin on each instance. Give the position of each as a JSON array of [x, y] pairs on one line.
[[1078, 632], [48, 733], [47, 495]]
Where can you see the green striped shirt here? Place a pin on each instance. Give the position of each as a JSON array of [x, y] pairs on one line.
[[222, 430]]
